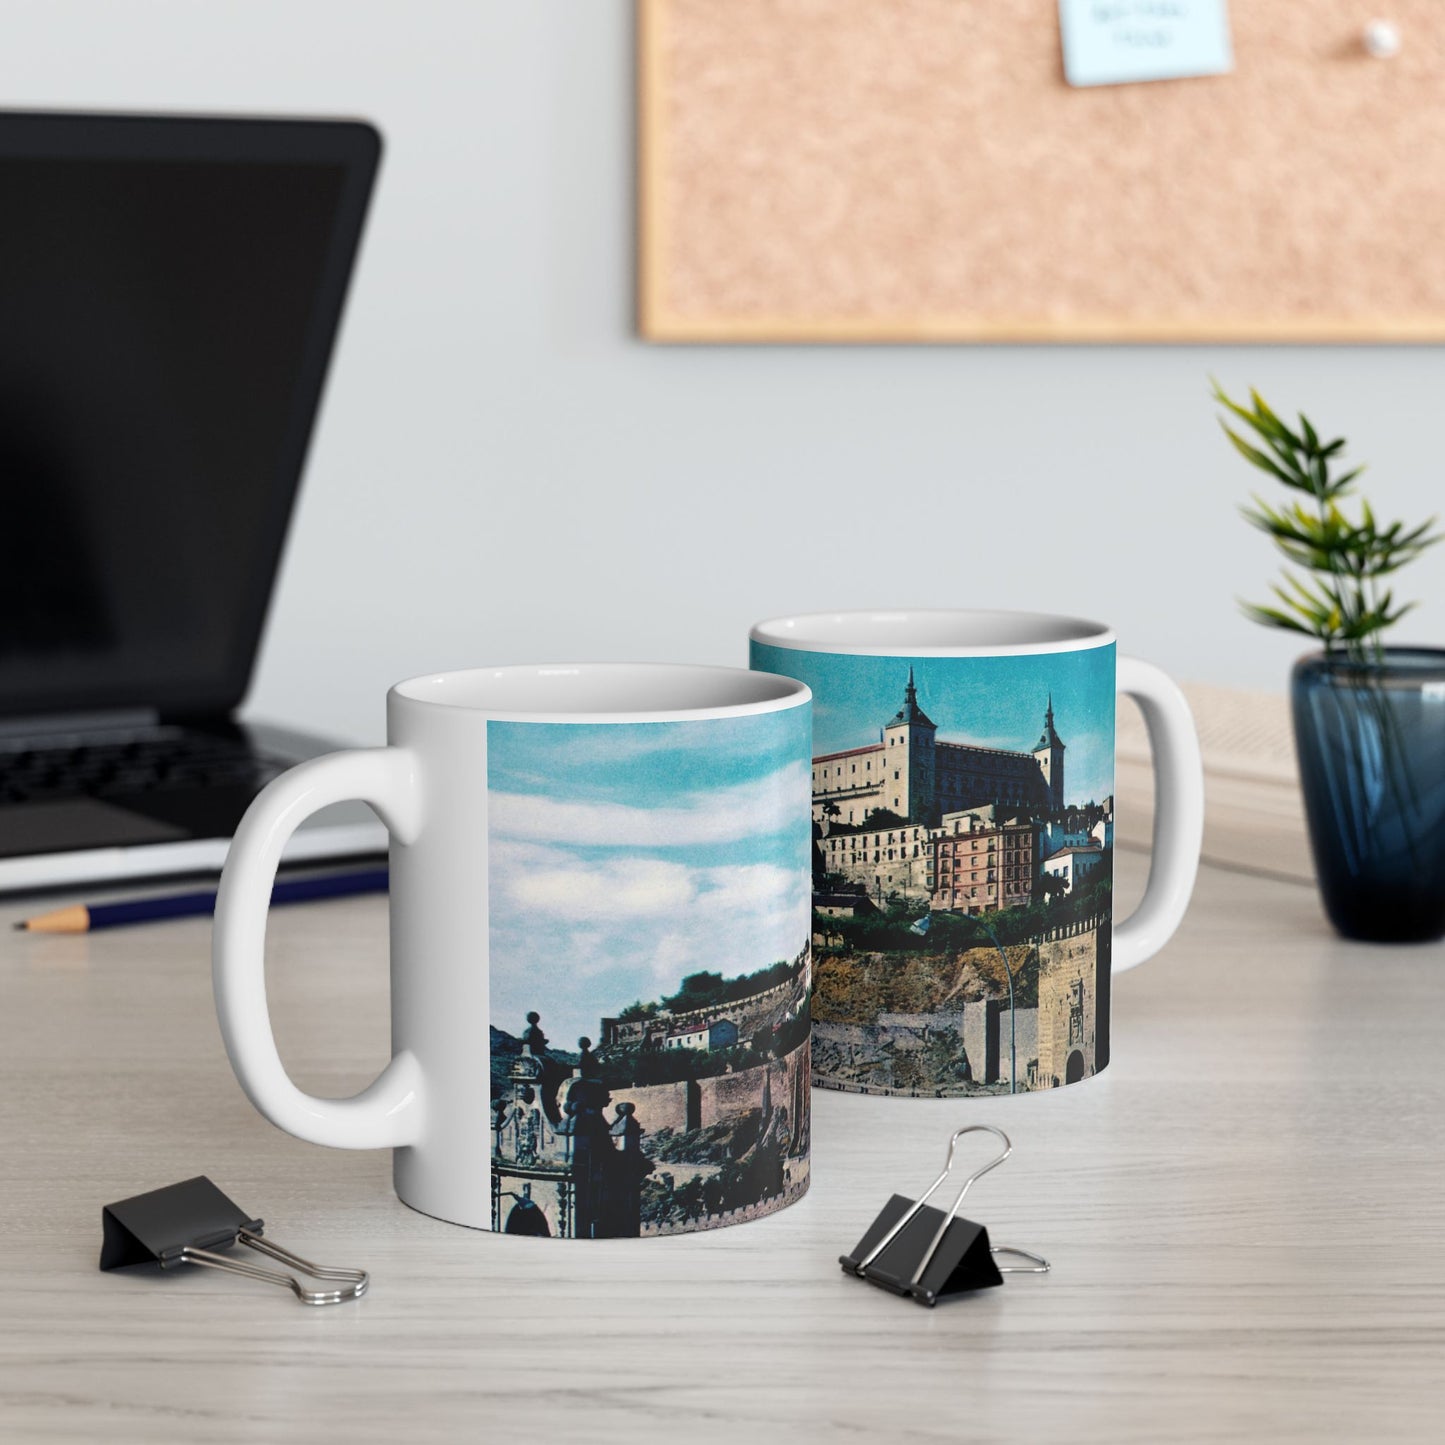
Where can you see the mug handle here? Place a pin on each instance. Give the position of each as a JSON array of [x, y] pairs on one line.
[[391, 1111], [1178, 813]]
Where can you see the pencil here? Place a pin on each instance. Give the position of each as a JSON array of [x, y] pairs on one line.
[[83, 918]]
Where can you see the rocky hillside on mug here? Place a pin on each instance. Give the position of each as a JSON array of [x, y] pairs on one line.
[[855, 988]]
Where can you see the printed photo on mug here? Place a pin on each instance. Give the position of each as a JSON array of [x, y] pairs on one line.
[[650, 973], [963, 868]]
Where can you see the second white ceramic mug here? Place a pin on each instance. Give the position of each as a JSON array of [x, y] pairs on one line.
[[963, 813]]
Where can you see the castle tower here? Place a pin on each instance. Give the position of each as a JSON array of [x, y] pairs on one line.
[[1049, 751], [909, 760]]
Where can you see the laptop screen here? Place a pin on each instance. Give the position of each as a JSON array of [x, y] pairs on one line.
[[169, 292]]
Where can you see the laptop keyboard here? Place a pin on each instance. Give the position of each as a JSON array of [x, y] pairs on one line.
[[163, 760]]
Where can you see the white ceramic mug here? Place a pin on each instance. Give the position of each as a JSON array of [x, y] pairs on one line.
[[963, 780], [615, 851]]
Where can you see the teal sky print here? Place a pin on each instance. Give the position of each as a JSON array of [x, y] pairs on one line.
[[625, 856], [995, 702]]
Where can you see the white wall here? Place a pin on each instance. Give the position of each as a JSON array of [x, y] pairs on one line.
[[504, 473]]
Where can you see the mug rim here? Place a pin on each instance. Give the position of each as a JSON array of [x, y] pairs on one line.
[[848, 632], [775, 693]]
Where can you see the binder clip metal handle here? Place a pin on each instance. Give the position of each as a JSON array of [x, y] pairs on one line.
[[1039, 1266], [357, 1279], [892, 1254]]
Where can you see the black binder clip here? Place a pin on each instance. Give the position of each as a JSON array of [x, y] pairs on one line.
[[915, 1250], [187, 1223]]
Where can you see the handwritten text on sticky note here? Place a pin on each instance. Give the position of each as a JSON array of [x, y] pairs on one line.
[[1109, 42]]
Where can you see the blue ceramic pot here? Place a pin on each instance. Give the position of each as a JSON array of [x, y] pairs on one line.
[[1371, 741]]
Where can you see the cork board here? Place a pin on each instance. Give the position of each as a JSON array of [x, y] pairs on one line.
[[915, 170]]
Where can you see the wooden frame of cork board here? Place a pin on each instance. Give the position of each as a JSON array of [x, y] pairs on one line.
[[920, 170]]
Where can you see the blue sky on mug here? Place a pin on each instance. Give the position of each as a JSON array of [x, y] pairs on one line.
[[993, 702], [625, 856]]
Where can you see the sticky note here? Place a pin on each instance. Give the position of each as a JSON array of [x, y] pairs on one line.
[[1112, 42]]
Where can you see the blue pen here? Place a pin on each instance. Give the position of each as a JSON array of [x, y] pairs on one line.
[[82, 919]]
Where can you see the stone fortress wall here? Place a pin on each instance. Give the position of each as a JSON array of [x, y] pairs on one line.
[[700, 1103]]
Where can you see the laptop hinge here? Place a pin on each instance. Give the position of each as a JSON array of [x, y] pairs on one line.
[[64, 724]]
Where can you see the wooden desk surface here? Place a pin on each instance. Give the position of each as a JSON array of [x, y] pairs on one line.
[[1245, 1214]]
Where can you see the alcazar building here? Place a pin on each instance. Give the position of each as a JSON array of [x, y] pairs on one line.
[[914, 775]]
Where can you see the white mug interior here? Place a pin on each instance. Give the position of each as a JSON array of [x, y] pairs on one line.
[[607, 692], [930, 632]]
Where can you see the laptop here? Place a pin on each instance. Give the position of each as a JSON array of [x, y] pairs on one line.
[[170, 290]]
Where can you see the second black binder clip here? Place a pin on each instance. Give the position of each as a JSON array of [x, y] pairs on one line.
[[189, 1222], [915, 1250]]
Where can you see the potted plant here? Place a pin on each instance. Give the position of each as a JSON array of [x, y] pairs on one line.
[[1369, 719]]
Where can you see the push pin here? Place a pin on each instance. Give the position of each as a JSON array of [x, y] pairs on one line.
[[187, 1223], [1381, 40], [915, 1250]]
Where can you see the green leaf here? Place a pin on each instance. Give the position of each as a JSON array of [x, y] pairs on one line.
[[1316, 610], [1271, 617], [1257, 458], [1411, 539], [1267, 421], [1263, 422]]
